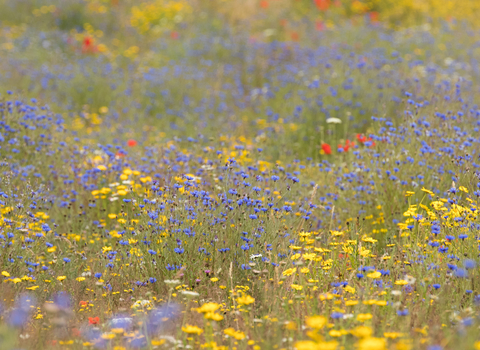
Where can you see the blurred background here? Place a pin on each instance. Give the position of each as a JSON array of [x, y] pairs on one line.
[[252, 69]]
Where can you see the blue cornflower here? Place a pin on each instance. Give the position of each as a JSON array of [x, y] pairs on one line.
[[461, 273], [469, 264], [435, 347], [403, 312], [153, 252], [435, 229], [336, 315], [67, 260]]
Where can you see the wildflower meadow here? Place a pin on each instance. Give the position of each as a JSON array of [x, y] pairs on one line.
[[245, 175]]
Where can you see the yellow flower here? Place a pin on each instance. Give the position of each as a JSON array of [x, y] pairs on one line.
[[392, 335], [401, 282], [350, 289], [108, 335], [306, 345], [316, 322], [213, 316], [233, 333], [208, 307], [61, 278], [32, 287], [364, 317], [102, 167], [375, 274], [334, 333], [80, 279], [158, 342], [428, 191], [17, 280], [214, 279], [245, 300], [351, 302], [311, 345], [362, 332], [192, 329], [5, 273], [296, 286], [289, 272], [372, 344], [305, 270]]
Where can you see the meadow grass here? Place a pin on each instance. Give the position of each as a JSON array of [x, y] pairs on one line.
[[257, 175]]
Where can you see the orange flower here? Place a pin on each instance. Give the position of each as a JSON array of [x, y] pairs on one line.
[[322, 5]]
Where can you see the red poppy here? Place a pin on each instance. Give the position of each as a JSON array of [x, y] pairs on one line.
[[93, 320], [326, 148], [263, 4], [319, 26], [344, 148], [75, 332], [83, 303], [349, 144], [131, 143], [362, 138], [373, 16], [295, 36], [88, 45], [174, 35]]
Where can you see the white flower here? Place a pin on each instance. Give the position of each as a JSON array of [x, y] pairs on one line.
[[255, 256], [334, 121], [396, 292], [172, 282], [189, 293], [410, 279]]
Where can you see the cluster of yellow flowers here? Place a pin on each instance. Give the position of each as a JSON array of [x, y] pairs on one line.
[[157, 15]]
